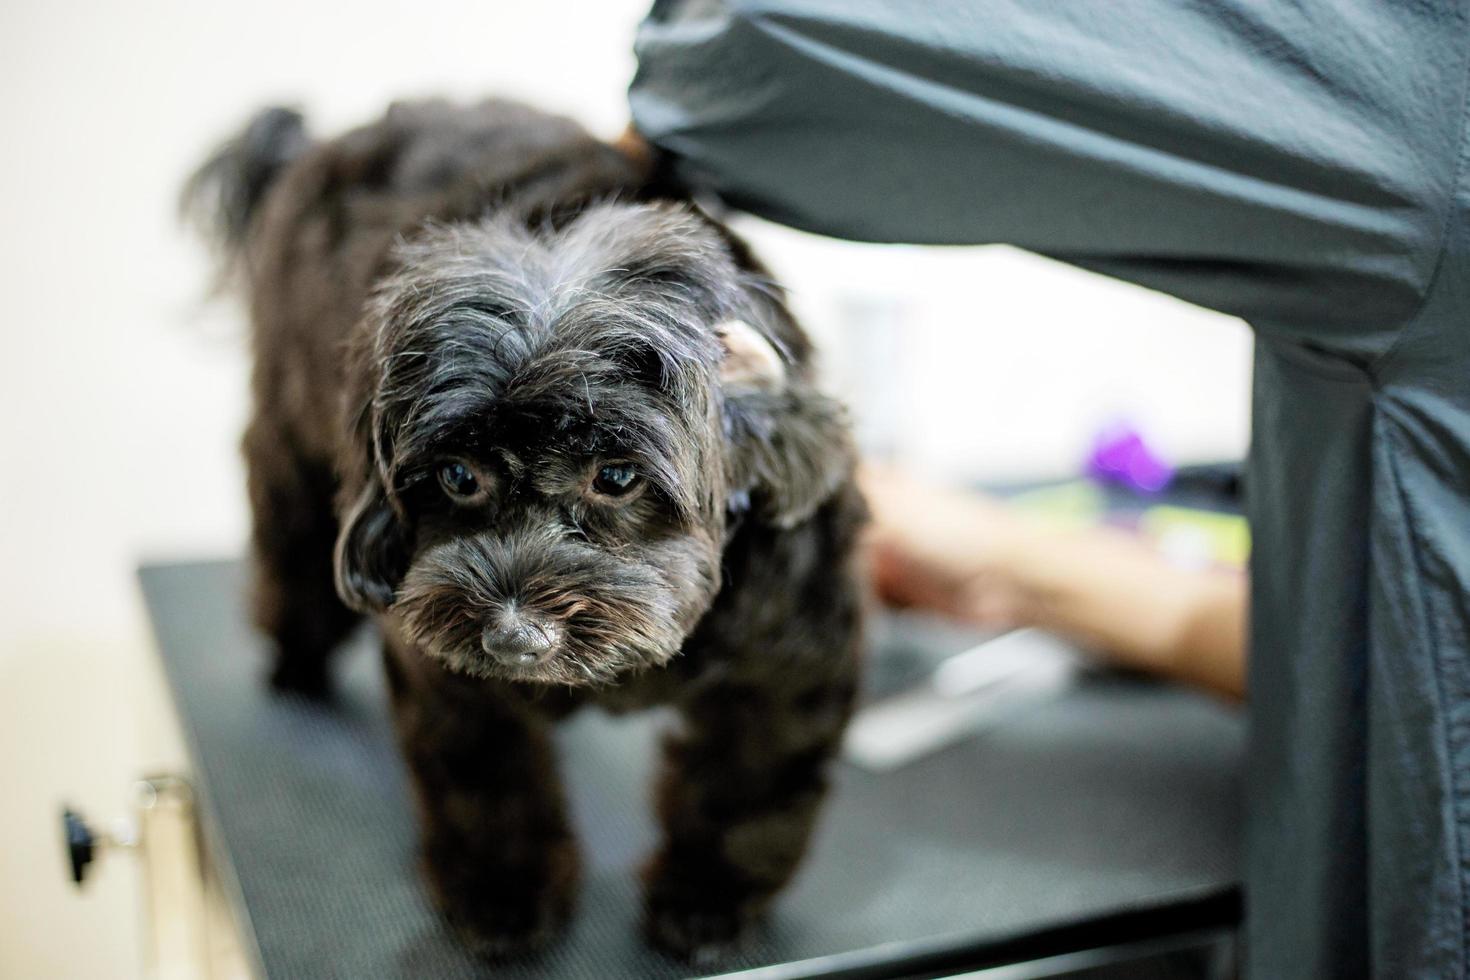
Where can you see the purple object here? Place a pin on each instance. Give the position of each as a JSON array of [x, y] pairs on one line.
[[1119, 455]]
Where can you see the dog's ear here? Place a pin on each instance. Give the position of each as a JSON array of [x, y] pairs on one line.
[[374, 542], [789, 448], [372, 551]]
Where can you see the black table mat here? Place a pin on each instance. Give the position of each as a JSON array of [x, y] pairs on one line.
[[1120, 796]]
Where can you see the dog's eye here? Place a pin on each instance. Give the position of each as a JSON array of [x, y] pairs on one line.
[[458, 480], [615, 480]]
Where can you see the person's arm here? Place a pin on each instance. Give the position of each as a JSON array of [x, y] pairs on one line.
[[1246, 157], [982, 562], [1111, 593]]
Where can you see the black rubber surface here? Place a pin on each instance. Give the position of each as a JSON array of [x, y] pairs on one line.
[[1119, 797]]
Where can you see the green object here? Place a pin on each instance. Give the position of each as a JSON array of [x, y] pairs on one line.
[[1302, 165], [1076, 502], [1224, 539]]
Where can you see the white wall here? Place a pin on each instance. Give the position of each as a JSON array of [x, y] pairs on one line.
[[122, 396]]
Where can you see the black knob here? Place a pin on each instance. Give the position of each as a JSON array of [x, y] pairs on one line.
[[81, 843]]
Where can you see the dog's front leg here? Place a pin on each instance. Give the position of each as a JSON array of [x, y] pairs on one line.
[[739, 794], [498, 853]]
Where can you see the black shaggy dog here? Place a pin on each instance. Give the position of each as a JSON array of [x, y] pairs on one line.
[[561, 436]]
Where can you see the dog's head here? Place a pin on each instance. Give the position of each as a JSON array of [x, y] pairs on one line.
[[552, 425]]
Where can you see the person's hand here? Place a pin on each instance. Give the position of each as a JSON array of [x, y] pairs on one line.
[[632, 145], [981, 562], [952, 553]]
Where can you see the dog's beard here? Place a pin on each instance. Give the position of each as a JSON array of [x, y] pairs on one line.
[[615, 613]]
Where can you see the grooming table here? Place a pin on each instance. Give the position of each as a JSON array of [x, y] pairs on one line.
[[1106, 817]]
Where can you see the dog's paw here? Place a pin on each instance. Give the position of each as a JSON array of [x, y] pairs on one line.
[[305, 676], [507, 926], [498, 910], [700, 933]]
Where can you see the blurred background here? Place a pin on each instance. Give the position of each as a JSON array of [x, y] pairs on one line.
[[123, 390]]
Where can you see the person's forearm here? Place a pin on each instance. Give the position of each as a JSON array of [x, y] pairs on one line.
[[980, 561], [1111, 592]]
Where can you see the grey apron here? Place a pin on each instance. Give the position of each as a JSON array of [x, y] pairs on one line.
[[1301, 165]]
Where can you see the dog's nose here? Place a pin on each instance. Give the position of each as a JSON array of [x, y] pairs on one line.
[[517, 639]]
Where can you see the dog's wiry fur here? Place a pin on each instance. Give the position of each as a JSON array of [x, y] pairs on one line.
[[491, 289]]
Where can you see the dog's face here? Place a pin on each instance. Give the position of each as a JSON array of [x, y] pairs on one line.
[[552, 428]]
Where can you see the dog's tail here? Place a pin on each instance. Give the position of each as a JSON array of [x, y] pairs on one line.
[[223, 196]]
